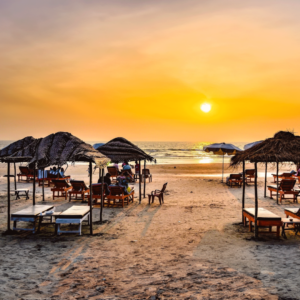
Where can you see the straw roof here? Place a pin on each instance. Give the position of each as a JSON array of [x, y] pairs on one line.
[[283, 147], [120, 149], [58, 149], [16, 146]]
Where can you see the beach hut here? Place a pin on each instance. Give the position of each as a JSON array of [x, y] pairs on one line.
[[120, 149], [283, 147], [222, 149], [59, 149]]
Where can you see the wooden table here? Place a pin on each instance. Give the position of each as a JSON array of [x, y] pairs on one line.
[[265, 218], [25, 191], [287, 222]]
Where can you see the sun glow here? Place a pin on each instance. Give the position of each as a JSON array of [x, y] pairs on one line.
[[206, 107]]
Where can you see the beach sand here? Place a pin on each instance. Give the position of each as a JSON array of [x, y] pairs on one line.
[[191, 247]]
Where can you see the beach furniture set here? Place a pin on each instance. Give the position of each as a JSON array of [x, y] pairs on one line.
[[237, 179], [268, 219], [36, 214]]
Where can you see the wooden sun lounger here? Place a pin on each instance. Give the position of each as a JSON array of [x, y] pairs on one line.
[[48, 181], [29, 214], [286, 187], [25, 172], [282, 176], [96, 194], [265, 218], [292, 212], [61, 187], [74, 215], [118, 197], [113, 171], [235, 180], [249, 175], [78, 188]]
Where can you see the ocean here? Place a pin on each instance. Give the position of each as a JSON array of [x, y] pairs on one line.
[[173, 152]]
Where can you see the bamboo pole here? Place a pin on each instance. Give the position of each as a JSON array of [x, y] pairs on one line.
[[140, 183], [8, 196], [223, 168], [91, 199], [102, 184], [43, 188], [256, 203], [277, 170], [144, 179], [33, 191], [15, 175], [244, 186], [266, 172]]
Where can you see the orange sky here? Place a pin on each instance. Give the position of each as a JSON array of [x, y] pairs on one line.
[[141, 69]]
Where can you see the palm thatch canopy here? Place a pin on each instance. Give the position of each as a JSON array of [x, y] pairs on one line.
[[283, 147], [58, 149], [120, 149], [16, 146]]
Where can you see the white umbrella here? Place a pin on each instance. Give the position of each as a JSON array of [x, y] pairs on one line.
[[250, 145], [222, 149]]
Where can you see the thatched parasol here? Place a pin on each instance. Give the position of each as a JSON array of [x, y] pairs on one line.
[[283, 147], [16, 146], [120, 149]]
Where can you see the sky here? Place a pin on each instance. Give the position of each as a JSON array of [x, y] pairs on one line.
[[141, 69]]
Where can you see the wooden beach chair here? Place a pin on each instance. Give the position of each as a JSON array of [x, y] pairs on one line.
[[30, 214], [78, 188], [146, 174], [113, 172], [159, 194], [265, 218], [24, 172], [282, 176], [249, 175], [292, 212], [118, 197], [234, 180], [61, 187], [73, 215], [286, 187], [96, 194]]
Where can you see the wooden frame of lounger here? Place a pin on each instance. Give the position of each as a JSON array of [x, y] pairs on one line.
[[73, 191], [96, 194], [30, 214], [283, 192], [73, 215], [292, 212], [112, 197], [265, 218], [249, 175], [235, 180], [48, 180], [28, 174], [282, 176], [61, 187]]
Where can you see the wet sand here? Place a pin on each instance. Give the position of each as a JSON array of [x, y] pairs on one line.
[[191, 247]]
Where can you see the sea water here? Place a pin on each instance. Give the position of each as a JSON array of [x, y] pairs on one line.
[[174, 152]]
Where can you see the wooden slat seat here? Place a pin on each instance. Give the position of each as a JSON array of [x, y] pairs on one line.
[[78, 188], [117, 196], [61, 187], [286, 187], [96, 194], [265, 218]]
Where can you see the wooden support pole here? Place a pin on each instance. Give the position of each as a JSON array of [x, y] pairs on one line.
[[277, 170], [33, 190], [266, 174], [223, 169], [91, 199], [43, 188], [15, 175], [140, 183], [144, 178], [102, 200], [8, 196], [244, 186], [256, 203]]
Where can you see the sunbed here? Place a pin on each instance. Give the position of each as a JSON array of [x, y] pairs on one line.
[[286, 187], [264, 218], [73, 215], [282, 176], [292, 212], [113, 171], [117, 196], [96, 193], [249, 175], [61, 187], [78, 188], [29, 214], [25, 172], [234, 180], [49, 179]]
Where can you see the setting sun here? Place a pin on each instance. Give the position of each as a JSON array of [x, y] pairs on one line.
[[205, 107]]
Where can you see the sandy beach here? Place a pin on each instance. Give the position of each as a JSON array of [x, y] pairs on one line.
[[191, 247]]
